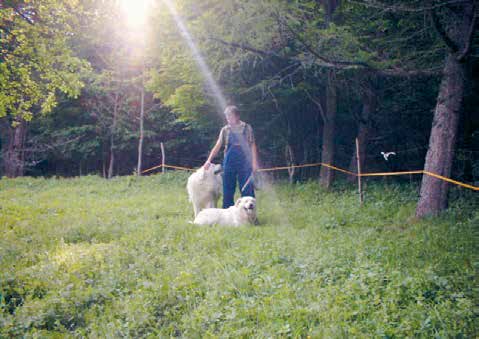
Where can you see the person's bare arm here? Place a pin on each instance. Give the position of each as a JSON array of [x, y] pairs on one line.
[[254, 150], [214, 151], [254, 156]]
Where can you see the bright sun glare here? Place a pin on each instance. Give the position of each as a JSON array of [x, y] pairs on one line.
[[135, 11]]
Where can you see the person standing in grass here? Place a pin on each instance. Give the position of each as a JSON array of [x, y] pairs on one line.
[[240, 156]]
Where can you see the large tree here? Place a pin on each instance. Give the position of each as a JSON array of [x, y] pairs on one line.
[[456, 26], [36, 64]]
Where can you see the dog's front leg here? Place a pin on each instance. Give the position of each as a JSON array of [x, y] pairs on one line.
[[195, 209]]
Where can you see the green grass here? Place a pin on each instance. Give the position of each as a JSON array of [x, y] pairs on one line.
[[90, 257]]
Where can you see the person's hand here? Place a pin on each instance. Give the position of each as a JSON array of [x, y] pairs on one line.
[[207, 165]]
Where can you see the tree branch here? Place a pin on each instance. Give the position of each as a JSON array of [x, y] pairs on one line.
[[26, 18], [396, 8], [440, 30], [278, 77], [254, 50], [405, 73], [152, 108], [317, 103], [397, 72], [275, 101], [467, 46], [48, 147], [309, 48]]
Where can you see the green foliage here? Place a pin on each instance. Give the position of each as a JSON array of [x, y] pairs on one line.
[[68, 134], [37, 61], [188, 99], [175, 79], [96, 258], [277, 86]]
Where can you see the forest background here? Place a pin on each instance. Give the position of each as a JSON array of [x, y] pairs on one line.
[[84, 89]]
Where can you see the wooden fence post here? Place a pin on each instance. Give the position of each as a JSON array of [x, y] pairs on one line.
[[290, 162], [162, 158]]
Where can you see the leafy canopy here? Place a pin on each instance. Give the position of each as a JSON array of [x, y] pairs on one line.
[[36, 59]]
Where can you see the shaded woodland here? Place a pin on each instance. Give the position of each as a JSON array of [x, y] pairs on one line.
[[81, 92]]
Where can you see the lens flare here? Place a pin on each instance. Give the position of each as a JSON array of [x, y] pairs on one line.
[[135, 11]]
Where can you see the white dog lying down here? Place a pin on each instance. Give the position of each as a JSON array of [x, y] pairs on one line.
[[204, 187], [243, 212]]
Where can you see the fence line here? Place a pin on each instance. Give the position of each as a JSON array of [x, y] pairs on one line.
[[168, 166], [382, 174]]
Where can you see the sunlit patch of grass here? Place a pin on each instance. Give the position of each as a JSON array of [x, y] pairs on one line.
[[70, 256], [90, 257]]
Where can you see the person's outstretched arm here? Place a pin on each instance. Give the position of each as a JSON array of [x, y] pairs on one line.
[[254, 157], [214, 151]]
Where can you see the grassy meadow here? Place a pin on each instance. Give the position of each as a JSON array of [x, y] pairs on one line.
[[87, 257]]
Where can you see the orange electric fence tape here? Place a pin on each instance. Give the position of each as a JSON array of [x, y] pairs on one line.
[[168, 166], [383, 174], [306, 165], [475, 188], [180, 168]]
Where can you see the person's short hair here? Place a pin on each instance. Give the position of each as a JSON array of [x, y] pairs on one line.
[[232, 110]]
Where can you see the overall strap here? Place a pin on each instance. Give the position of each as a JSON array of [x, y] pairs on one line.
[[228, 132]]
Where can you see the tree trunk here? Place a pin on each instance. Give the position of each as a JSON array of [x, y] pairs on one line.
[[468, 145], [364, 129], [103, 162], [140, 141], [442, 142], [13, 154], [327, 153], [330, 6], [112, 160], [112, 136], [439, 157]]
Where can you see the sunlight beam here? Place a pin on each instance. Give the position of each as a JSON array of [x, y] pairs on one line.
[[205, 70], [135, 12]]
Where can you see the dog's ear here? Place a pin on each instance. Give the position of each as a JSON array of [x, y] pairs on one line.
[[238, 202], [218, 169]]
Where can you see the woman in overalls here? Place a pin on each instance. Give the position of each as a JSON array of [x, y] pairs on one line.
[[240, 156]]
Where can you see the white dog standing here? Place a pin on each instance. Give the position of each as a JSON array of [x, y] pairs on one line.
[[204, 188], [243, 212]]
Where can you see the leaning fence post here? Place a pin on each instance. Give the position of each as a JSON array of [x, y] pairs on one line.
[[290, 161], [162, 157], [360, 191]]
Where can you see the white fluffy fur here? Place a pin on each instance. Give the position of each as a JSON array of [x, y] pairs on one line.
[[243, 212], [204, 188]]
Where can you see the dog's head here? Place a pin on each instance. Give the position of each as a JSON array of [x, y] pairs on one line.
[[217, 169], [247, 207], [213, 170]]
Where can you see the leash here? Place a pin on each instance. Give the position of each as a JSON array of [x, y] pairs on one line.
[[247, 181]]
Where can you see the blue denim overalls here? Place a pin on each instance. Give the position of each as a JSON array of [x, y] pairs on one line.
[[236, 164]]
